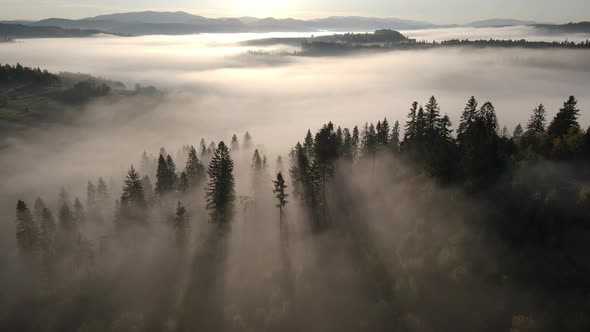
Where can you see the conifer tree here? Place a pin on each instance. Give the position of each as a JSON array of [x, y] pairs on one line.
[[79, 214], [194, 171], [91, 195], [395, 137], [565, 119], [47, 233], [467, 118], [38, 208], [63, 197], [235, 145], [308, 144], [432, 119], [247, 141], [163, 181], [280, 194], [355, 142], [347, 146], [132, 205], [102, 192], [383, 133], [181, 225], [27, 232], [172, 177], [67, 223], [537, 120], [279, 164], [220, 192], [518, 131], [410, 128], [256, 161]]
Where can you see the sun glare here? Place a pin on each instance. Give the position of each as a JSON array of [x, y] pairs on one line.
[[261, 8]]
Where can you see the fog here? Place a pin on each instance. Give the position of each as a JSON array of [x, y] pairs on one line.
[[514, 32], [212, 88]]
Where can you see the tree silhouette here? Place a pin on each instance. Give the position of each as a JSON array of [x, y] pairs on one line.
[[280, 194], [220, 192], [132, 205], [247, 141], [537, 120], [27, 232], [256, 161], [565, 119], [235, 145], [79, 212], [518, 131]]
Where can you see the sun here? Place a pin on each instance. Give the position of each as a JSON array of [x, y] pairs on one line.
[[261, 8]]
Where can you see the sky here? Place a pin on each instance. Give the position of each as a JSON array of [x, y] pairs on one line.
[[435, 11]]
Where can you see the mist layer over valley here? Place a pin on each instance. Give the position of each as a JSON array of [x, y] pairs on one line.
[[384, 232]]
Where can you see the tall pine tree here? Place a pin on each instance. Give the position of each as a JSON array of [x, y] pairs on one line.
[[220, 192]]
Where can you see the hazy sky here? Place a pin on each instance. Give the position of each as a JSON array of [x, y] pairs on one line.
[[448, 11]]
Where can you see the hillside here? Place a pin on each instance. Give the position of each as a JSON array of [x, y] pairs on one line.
[[25, 31], [581, 27], [31, 97]]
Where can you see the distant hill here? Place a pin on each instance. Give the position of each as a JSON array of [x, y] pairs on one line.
[[179, 23], [26, 31], [182, 23], [498, 22], [581, 27]]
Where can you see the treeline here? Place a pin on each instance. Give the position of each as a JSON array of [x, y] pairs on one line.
[[25, 75], [354, 42]]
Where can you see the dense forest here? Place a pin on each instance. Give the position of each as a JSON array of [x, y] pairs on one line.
[[419, 226]]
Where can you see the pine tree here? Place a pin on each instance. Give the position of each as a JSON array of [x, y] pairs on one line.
[[79, 213], [235, 145], [47, 232], [395, 137], [256, 161], [410, 128], [220, 193], [102, 193], [369, 143], [194, 171], [181, 225], [355, 142], [518, 131], [247, 141], [172, 177], [467, 118], [280, 194], [565, 119], [163, 181], [537, 121], [38, 208], [383, 133], [444, 128], [132, 205], [432, 119], [347, 146], [91, 196], [67, 223], [63, 197], [27, 232], [308, 144]]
